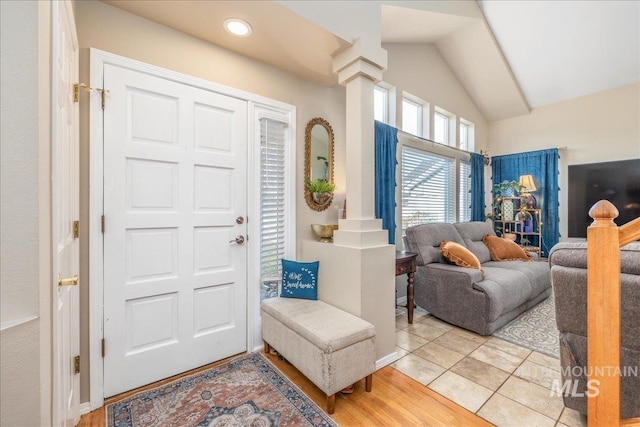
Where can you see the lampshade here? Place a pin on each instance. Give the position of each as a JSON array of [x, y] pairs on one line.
[[527, 183]]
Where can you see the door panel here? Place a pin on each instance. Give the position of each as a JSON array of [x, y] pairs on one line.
[[174, 183], [65, 210]]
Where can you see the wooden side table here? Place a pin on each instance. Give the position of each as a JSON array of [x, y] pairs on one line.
[[406, 264]]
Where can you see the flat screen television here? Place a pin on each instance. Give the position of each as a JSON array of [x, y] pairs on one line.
[[617, 182]]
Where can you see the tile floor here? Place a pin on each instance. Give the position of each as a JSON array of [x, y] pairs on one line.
[[501, 382]]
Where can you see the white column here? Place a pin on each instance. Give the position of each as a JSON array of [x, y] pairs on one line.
[[357, 272], [359, 68]]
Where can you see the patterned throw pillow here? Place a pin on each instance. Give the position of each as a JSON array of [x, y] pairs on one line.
[[299, 279], [504, 249], [459, 255]]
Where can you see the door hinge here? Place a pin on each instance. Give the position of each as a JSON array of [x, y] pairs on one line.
[[76, 365], [78, 86], [76, 229], [102, 224], [76, 92], [103, 347]]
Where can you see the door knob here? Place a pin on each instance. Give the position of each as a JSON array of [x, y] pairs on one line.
[[239, 240], [69, 281]]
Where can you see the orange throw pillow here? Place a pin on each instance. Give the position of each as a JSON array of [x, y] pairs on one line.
[[504, 249], [459, 255]]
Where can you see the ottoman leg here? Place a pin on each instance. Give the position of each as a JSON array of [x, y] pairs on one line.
[[267, 348], [368, 382], [331, 404]]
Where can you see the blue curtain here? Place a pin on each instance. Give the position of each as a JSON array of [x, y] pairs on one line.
[[543, 165], [386, 140], [477, 187]]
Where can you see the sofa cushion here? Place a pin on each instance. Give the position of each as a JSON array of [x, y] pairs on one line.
[[538, 273], [504, 249], [425, 239], [459, 255], [574, 254], [505, 290], [472, 234]]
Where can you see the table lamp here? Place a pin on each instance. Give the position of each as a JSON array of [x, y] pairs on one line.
[[528, 187]]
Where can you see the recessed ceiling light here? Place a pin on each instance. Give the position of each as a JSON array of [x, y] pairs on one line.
[[237, 27]]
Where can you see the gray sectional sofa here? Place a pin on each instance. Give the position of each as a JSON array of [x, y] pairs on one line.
[[464, 296], [568, 262]]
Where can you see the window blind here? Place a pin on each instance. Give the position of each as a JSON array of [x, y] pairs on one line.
[[464, 209], [428, 188], [272, 196]]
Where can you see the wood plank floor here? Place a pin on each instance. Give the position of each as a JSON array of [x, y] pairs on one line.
[[395, 400]]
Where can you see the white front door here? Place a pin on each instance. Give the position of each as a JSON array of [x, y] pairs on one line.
[[174, 203], [65, 206]]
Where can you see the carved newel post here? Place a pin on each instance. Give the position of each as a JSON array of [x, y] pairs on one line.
[[603, 316]]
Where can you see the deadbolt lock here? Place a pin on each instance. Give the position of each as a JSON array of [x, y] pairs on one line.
[[240, 220]]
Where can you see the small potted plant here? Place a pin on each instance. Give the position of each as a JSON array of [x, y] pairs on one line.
[[321, 190], [506, 189]]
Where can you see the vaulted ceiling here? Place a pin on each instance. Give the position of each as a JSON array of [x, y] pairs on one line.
[[508, 55]]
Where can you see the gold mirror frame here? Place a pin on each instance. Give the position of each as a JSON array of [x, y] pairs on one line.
[[317, 121]]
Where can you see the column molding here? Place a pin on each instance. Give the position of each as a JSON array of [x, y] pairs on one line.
[[359, 68]]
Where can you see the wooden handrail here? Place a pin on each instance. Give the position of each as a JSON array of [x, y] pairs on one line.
[[630, 232], [604, 240]]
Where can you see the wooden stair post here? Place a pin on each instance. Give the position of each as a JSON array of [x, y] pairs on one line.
[[603, 317]]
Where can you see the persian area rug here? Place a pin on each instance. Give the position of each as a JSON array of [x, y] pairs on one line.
[[246, 391], [534, 329]]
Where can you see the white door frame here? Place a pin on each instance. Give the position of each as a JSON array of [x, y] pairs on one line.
[[98, 59], [62, 16]]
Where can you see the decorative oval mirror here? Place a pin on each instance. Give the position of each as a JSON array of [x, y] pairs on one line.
[[318, 164]]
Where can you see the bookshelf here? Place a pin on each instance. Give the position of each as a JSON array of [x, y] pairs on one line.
[[511, 216]]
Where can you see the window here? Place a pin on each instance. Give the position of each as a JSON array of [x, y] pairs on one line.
[[273, 215], [441, 128], [415, 115], [411, 117], [428, 188], [381, 104], [466, 135], [464, 195]]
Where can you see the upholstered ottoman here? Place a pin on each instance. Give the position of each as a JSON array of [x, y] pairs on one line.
[[331, 347]]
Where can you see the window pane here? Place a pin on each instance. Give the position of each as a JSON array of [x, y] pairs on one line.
[[411, 117], [464, 213], [380, 104], [441, 128], [272, 198], [464, 136], [428, 188]]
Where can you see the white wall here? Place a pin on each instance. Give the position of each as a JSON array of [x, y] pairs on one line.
[[25, 356], [601, 127], [110, 29], [19, 160], [420, 70]]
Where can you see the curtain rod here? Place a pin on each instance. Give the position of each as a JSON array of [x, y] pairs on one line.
[[419, 138]]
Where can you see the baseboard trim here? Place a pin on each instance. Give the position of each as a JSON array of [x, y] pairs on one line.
[[401, 301], [387, 360], [85, 408]]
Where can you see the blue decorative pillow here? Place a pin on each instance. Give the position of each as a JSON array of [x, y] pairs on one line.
[[299, 279]]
